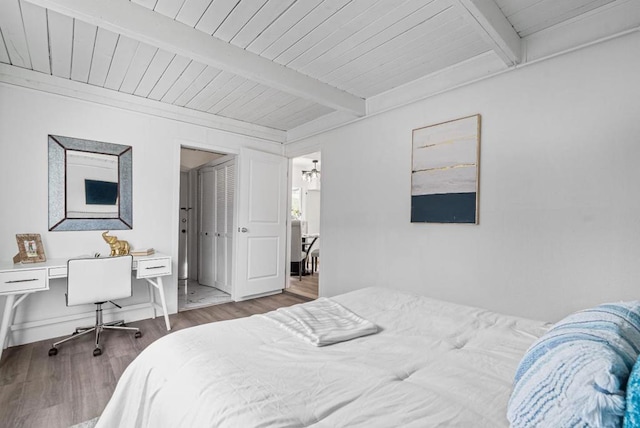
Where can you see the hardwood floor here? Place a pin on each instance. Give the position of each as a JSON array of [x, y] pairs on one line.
[[307, 287], [41, 391]]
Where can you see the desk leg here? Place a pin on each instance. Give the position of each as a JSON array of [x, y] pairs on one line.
[[152, 298], [164, 302], [158, 284], [7, 316]]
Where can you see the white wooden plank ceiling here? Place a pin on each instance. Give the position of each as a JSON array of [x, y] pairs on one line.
[[530, 16], [274, 63]]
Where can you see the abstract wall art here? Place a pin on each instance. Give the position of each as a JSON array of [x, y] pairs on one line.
[[445, 172]]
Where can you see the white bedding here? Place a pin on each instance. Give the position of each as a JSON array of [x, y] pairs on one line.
[[433, 364]]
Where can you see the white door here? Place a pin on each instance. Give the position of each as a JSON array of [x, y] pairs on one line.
[[231, 195], [206, 264], [261, 223]]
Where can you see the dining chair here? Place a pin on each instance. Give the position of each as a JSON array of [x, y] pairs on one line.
[[297, 254], [314, 255]]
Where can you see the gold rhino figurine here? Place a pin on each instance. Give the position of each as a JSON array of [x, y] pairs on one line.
[[118, 248]]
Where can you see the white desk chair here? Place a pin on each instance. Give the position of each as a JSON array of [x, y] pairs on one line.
[[98, 280]]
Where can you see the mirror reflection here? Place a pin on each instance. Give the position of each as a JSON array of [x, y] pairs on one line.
[[92, 185]]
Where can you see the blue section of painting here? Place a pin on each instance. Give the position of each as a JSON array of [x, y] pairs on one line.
[[444, 208]]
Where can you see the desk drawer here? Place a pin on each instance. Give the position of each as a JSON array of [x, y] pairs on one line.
[[153, 267], [23, 280], [58, 272]]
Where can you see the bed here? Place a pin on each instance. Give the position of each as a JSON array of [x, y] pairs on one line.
[[430, 364]]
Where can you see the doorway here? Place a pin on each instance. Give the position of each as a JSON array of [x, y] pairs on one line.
[[305, 216], [204, 211]]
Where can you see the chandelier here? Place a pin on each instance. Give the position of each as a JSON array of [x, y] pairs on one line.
[[314, 174]]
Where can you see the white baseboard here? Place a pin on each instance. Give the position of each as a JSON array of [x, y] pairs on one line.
[[35, 331]]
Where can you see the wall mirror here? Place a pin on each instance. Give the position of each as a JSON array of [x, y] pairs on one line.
[[89, 185]]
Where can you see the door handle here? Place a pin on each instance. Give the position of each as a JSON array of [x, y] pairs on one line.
[[243, 229]]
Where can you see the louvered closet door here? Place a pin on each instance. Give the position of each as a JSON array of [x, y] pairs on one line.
[[220, 229], [224, 225], [206, 253]]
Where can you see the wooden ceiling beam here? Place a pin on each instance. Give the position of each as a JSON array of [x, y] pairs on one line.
[[141, 24], [495, 28]]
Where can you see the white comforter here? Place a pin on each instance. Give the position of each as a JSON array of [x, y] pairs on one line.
[[433, 364]]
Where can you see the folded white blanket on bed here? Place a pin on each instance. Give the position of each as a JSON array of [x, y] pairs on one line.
[[322, 322]]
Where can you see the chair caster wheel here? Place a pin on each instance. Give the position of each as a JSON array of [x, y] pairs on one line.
[[97, 352], [53, 351], [138, 335]]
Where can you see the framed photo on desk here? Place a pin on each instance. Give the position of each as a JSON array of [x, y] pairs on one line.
[[30, 248]]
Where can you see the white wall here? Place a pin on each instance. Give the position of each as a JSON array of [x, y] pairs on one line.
[[559, 200], [312, 207], [26, 118]]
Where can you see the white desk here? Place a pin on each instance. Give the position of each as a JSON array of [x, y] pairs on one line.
[[18, 281]]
